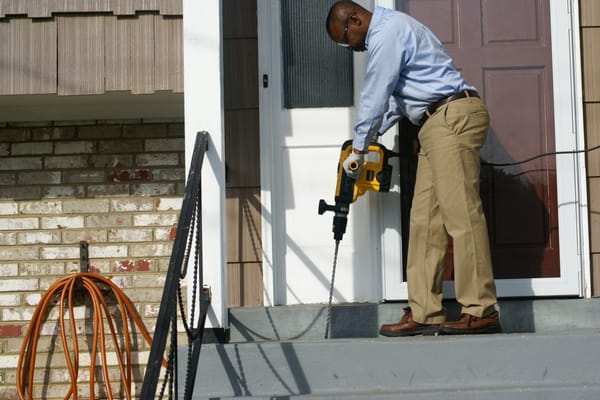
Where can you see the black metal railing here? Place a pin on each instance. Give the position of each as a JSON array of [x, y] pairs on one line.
[[188, 235]]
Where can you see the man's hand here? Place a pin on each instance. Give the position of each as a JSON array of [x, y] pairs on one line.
[[353, 164]]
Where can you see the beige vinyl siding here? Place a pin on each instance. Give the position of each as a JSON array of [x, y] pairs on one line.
[[242, 154], [590, 37], [169, 43], [46, 8], [89, 54], [28, 57], [80, 55]]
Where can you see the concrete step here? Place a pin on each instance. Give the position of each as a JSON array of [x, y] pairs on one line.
[[307, 322], [520, 366]]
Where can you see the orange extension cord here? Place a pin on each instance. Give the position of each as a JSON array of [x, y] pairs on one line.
[[65, 288]]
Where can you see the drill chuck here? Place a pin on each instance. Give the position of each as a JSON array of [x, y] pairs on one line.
[[340, 218], [339, 225]]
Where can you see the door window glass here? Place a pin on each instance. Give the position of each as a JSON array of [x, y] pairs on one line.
[[316, 72]]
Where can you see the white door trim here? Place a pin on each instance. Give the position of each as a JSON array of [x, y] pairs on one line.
[[270, 199], [278, 141]]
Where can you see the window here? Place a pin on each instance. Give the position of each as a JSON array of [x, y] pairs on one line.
[[316, 72]]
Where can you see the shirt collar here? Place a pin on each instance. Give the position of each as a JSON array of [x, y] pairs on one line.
[[375, 20]]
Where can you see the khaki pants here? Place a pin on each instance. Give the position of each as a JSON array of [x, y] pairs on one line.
[[447, 201]]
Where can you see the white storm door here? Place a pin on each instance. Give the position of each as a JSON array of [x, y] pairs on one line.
[[299, 154]]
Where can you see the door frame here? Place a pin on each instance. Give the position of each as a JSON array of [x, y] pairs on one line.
[[575, 276], [387, 250], [273, 212]]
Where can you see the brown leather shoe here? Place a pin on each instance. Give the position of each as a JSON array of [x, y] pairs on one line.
[[469, 324], [408, 327]]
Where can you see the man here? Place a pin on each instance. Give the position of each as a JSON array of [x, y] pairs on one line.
[[410, 75]]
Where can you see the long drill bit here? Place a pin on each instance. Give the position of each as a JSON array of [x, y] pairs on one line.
[[337, 245]]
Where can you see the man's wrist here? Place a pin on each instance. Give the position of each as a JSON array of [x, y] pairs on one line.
[[356, 151]]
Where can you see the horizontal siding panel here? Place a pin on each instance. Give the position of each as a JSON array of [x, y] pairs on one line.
[[595, 275], [591, 67], [28, 52], [592, 124], [45, 8], [243, 217], [236, 24], [91, 54], [590, 12], [61, 6], [594, 206], [244, 285], [127, 7], [171, 7], [33, 9], [240, 61], [242, 136], [169, 44], [141, 48], [164, 7], [80, 55], [6, 77], [8, 7], [118, 34]]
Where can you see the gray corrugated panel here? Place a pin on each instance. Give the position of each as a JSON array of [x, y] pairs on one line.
[[169, 44], [80, 55]]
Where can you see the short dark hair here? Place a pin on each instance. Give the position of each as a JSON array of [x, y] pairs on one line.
[[340, 11]]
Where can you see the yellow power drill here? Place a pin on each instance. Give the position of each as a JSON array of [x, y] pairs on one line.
[[376, 175]]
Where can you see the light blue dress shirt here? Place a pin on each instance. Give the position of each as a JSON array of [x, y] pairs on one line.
[[407, 70]]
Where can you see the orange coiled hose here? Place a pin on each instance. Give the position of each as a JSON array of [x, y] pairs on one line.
[[64, 290]]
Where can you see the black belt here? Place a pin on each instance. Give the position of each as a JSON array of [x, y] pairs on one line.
[[434, 107]]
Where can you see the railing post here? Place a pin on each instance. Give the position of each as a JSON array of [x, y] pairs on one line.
[[169, 297]]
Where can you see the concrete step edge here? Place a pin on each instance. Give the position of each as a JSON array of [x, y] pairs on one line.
[[298, 322], [448, 363]]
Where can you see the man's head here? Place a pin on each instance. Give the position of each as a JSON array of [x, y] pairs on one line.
[[347, 25]]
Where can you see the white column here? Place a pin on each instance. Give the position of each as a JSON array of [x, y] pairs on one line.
[[204, 112]]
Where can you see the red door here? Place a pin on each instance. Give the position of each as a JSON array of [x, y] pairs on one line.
[[503, 48]]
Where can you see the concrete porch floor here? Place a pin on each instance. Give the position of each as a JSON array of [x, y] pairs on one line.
[[550, 350]]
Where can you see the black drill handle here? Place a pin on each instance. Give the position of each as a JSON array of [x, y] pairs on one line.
[[323, 206]]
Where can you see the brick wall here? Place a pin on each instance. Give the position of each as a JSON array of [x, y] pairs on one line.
[[115, 184]]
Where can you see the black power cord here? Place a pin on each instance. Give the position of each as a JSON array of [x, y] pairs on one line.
[[540, 156]]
